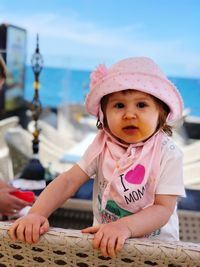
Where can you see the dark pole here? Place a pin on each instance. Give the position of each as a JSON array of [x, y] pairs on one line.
[[34, 170], [36, 106]]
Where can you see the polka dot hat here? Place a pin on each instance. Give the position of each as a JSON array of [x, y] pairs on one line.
[[139, 73]]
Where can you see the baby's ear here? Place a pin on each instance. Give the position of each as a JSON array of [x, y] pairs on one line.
[[99, 124]]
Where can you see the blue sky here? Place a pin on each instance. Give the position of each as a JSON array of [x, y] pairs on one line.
[[84, 33]]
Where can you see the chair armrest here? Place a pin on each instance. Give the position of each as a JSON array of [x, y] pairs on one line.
[[72, 248], [189, 225]]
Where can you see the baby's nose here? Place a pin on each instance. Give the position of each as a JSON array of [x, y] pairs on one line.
[[130, 114]]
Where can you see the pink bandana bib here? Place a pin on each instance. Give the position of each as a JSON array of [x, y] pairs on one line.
[[128, 171]]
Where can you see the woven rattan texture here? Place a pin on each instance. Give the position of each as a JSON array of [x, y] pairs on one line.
[[189, 222], [70, 248]]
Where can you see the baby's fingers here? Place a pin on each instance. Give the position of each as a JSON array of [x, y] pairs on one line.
[[120, 244], [111, 247], [97, 241], [12, 231], [28, 234], [44, 227], [91, 229], [20, 232]]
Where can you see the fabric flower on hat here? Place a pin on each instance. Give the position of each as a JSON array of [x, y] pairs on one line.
[[98, 74]]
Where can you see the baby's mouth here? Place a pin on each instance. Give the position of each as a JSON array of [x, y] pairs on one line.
[[130, 127]]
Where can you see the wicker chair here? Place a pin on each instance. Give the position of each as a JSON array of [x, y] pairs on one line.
[[52, 137], [189, 225], [65, 247], [19, 142], [6, 168], [6, 124], [61, 247]]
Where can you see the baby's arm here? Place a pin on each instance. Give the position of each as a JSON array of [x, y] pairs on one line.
[[110, 237], [153, 217], [30, 227]]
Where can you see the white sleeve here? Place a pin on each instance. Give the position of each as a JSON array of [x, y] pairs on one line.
[[170, 179], [89, 169]]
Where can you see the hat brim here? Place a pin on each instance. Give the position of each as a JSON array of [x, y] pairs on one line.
[[161, 88]]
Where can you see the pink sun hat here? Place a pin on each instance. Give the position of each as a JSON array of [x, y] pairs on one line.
[[139, 73]]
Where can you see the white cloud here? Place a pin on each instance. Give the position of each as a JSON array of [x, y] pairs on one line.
[[69, 37]]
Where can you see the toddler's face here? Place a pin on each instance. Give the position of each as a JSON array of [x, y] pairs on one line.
[[132, 116]]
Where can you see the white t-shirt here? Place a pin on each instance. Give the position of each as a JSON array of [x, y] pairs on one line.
[[169, 181]]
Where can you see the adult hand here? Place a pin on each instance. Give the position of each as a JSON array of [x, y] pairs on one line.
[[10, 204], [109, 237], [29, 228]]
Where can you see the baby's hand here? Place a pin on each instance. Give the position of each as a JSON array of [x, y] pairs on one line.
[[109, 238], [29, 228]]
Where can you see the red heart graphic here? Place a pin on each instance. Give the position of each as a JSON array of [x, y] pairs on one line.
[[136, 175]]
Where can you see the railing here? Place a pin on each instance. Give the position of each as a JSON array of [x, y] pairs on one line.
[[64, 247]]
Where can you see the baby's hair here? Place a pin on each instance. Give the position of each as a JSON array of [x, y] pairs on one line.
[[2, 68], [163, 113]]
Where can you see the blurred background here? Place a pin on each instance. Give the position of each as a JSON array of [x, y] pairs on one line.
[[75, 36]]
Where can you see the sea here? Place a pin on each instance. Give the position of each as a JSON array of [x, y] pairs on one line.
[[61, 86]]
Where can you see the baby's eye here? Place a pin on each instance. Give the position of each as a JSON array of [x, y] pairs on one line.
[[119, 105], [141, 105]]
